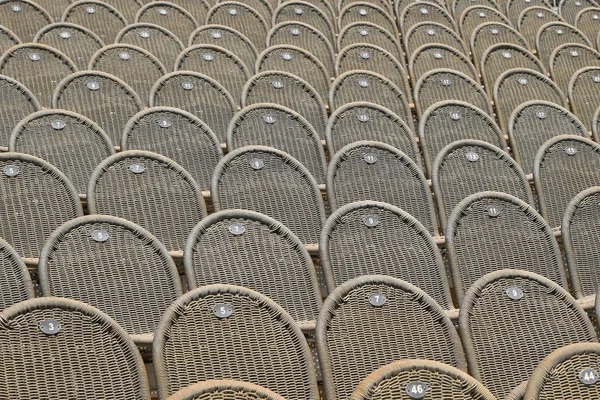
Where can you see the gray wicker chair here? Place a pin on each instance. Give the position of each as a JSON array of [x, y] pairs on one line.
[[176, 134], [218, 63], [569, 9], [534, 122], [270, 181], [400, 5], [579, 233], [358, 121], [491, 33], [490, 231], [171, 17], [198, 94], [588, 21], [420, 379], [227, 38], [373, 320], [24, 18], [276, 126], [55, 8], [387, 6], [97, 16], [8, 39], [472, 166], [113, 265], [76, 42], [326, 6], [15, 282], [533, 18], [197, 9], [363, 11], [367, 32], [475, 15], [38, 67], [155, 39], [368, 170], [554, 34], [18, 103], [515, 7], [519, 85], [417, 12], [249, 336], [150, 190], [37, 199], [428, 32], [458, 6], [583, 92], [217, 389], [289, 91], [516, 318], [72, 342], [302, 11], [434, 56], [242, 18], [518, 392], [128, 8], [103, 98], [249, 249], [568, 59], [69, 141], [447, 84], [448, 121]]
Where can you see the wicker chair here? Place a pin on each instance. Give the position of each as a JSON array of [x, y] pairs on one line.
[[475, 15], [491, 33], [417, 12], [517, 393], [7, 39], [533, 18], [69, 141], [490, 231], [366, 32], [224, 389], [198, 9], [103, 98], [519, 85], [564, 166], [250, 337], [588, 22], [583, 94], [76, 42], [155, 39], [97, 16], [198, 94], [569, 9], [373, 320], [24, 18], [448, 121], [446, 84], [387, 6], [94, 258], [363, 11], [14, 277], [128, 8], [302, 11], [472, 166], [38, 67], [554, 34], [176, 134], [499, 58], [289, 91], [150, 190], [276, 126], [269, 181], [515, 7], [362, 120], [227, 38], [263, 7], [55, 8], [249, 249], [37, 199], [171, 17], [517, 318], [434, 56], [533, 123], [458, 6], [427, 32], [80, 353], [326, 6], [400, 5], [420, 379], [242, 18], [307, 38], [18, 103]]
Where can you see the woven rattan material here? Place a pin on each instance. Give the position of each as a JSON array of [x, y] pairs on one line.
[[263, 7], [517, 393], [533, 18], [198, 94], [398, 246], [515, 7], [289, 91], [400, 5], [103, 98], [471, 166], [71, 142], [150, 190], [434, 56], [583, 94], [424, 12], [554, 34], [458, 6], [475, 15], [490, 231], [273, 183], [170, 16], [596, 124], [54, 7], [14, 277], [75, 264], [76, 42], [569, 9], [7, 39], [262, 255], [387, 6], [176, 134], [197, 8], [276, 126], [498, 330], [24, 18], [225, 390], [35, 201], [439, 380], [326, 6], [155, 39], [227, 38], [564, 166], [588, 22], [97, 16], [366, 32], [258, 342], [38, 67], [533, 123], [354, 338], [376, 171], [301, 11], [579, 231], [242, 18], [491, 33], [18, 103], [362, 11], [367, 121], [89, 343], [428, 32], [126, 7]]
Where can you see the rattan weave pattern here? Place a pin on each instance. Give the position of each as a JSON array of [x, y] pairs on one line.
[[428, 32], [225, 390], [54, 7], [517, 393], [515, 7], [588, 21], [97, 16], [583, 92], [363, 11], [15, 280], [554, 34], [475, 15], [24, 18], [434, 55], [17, 104], [424, 12], [367, 32], [490, 33], [227, 38], [302, 11], [568, 59], [242, 18], [458, 6], [569, 9], [171, 17], [8, 39], [533, 18]]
